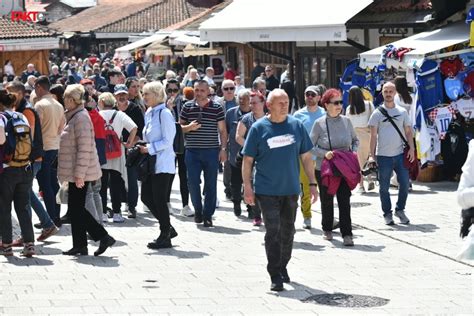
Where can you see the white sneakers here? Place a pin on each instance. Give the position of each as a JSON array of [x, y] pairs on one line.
[[118, 218], [187, 211]]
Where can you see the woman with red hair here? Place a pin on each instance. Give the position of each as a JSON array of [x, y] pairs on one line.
[[331, 133]]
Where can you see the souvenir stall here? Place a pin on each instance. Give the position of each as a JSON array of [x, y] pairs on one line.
[[439, 67]]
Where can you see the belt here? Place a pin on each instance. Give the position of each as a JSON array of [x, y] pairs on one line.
[[25, 167]]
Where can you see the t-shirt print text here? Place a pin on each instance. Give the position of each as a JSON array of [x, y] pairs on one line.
[[281, 141]]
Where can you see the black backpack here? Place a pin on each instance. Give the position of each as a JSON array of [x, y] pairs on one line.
[[178, 142], [37, 150]]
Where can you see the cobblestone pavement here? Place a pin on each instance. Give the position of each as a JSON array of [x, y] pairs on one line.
[[222, 270]]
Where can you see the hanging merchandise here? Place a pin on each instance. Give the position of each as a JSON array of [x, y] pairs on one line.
[[467, 58], [454, 149], [353, 76], [469, 83], [465, 107], [442, 117], [453, 87], [429, 85], [469, 19], [450, 67], [434, 148]]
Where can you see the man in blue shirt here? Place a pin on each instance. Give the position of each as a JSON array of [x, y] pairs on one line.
[[308, 115], [276, 143]]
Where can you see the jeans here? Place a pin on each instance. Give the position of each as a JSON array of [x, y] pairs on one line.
[[132, 194], [82, 221], [116, 188], [183, 180], [198, 161], [343, 195], [385, 166], [154, 197], [48, 182], [36, 204], [279, 214], [15, 184], [94, 200]]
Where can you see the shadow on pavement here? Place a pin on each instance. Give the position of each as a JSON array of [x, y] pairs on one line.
[[100, 261], [179, 253], [358, 247], [297, 291], [307, 246], [223, 230], [26, 262], [424, 228]]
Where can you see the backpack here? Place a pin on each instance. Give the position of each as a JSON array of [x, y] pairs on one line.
[[113, 147], [18, 144], [37, 150], [178, 141]]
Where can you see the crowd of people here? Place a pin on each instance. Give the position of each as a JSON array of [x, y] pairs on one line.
[[100, 132]]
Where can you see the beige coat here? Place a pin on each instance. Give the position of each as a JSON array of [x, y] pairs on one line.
[[77, 151]]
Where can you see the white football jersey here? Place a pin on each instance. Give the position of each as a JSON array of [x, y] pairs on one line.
[[465, 107], [442, 121]]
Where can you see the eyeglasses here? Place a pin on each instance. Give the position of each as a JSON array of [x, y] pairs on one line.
[[211, 95], [337, 102], [228, 88], [311, 94], [172, 90]]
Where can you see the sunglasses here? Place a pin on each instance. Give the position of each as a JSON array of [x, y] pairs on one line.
[[338, 102], [310, 94], [228, 88], [172, 90]]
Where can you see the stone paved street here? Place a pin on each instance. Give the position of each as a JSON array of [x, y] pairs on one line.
[[222, 270]]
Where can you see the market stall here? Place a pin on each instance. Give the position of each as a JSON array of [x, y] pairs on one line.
[[439, 66]]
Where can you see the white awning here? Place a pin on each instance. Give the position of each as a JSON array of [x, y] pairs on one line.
[[184, 39], [15, 45], [281, 21], [423, 44], [159, 50], [141, 43], [192, 50]]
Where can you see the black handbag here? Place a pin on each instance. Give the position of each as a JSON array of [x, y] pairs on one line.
[[146, 167]]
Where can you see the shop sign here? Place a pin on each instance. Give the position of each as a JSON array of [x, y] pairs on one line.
[[393, 30]]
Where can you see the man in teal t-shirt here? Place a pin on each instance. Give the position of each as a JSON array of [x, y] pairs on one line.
[[308, 115], [276, 143]]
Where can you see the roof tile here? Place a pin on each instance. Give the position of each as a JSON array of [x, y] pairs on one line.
[[13, 30]]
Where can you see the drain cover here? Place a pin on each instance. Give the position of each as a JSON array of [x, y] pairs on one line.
[[346, 300]]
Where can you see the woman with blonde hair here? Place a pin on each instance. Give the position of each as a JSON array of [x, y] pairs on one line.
[[78, 164]]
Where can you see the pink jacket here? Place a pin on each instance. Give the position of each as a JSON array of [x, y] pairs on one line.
[[345, 165]]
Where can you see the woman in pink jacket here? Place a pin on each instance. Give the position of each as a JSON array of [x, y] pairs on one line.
[[78, 164]]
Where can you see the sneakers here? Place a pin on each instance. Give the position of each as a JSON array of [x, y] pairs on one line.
[[187, 211], [388, 219], [347, 241], [327, 235], [277, 283], [307, 223], [47, 232], [118, 218], [105, 218], [257, 221], [403, 218], [28, 250]]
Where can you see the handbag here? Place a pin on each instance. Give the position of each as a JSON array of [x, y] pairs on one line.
[[146, 167], [413, 166]]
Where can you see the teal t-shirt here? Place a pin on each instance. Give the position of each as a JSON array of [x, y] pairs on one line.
[[276, 148], [308, 118]]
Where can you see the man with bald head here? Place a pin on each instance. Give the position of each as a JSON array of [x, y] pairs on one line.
[[386, 149], [276, 143], [30, 71]]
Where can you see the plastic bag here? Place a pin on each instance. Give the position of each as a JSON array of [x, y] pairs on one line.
[[467, 249]]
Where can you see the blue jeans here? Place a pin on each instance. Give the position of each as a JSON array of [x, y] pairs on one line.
[[48, 182], [386, 166], [132, 193], [197, 161], [36, 204]]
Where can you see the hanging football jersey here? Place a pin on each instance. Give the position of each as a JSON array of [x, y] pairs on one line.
[[429, 85], [465, 107], [451, 67], [443, 118], [453, 87]]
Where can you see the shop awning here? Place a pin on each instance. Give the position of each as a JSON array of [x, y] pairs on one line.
[[141, 43], [23, 44], [423, 44], [193, 50], [281, 21], [159, 49]]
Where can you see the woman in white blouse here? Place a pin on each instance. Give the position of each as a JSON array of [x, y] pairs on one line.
[[359, 112]]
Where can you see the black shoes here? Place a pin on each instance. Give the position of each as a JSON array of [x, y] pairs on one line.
[[160, 243], [38, 226], [65, 219], [237, 209], [82, 251], [284, 276], [105, 243], [198, 218], [132, 213], [277, 283], [208, 223], [173, 232]]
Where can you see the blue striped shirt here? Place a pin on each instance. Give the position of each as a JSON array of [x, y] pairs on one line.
[[159, 135]]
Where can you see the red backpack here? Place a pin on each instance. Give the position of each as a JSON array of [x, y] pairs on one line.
[[113, 146]]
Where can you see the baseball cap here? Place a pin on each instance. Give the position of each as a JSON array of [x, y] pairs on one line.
[[120, 88], [312, 89]]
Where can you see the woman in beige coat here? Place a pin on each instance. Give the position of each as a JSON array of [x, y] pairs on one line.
[[78, 164]]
